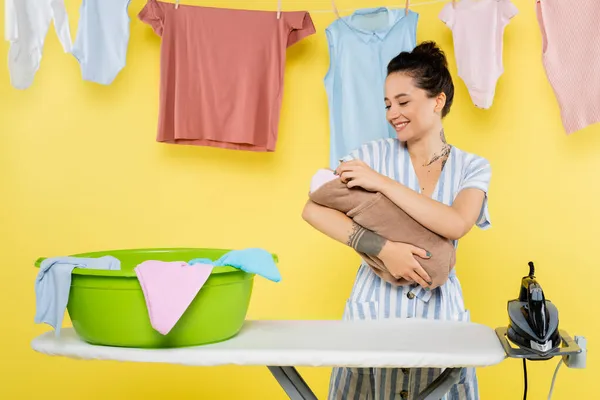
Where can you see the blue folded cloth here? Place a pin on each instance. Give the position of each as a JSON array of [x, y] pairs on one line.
[[53, 284], [253, 260]]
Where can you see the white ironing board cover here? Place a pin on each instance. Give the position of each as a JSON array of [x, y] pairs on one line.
[[382, 343]]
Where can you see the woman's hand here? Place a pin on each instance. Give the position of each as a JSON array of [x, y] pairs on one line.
[[356, 173], [399, 259]]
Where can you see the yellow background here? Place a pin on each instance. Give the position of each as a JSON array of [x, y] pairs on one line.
[[80, 170]]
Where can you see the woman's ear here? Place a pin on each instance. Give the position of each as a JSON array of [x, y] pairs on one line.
[[440, 102]]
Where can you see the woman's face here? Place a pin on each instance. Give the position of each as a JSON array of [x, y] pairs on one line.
[[408, 109]]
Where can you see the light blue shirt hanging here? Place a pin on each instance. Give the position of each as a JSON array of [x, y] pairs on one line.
[[360, 47]]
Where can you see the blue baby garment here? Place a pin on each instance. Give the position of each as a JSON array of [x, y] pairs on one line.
[[102, 39], [53, 284], [253, 260], [360, 46]]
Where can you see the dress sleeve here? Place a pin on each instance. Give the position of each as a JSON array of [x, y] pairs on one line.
[[301, 26], [477, 175], [364, 153], [153, 15]]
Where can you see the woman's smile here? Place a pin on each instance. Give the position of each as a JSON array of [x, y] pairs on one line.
[[399, 125]]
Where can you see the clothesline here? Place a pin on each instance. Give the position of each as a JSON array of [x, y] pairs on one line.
[[398, 4]]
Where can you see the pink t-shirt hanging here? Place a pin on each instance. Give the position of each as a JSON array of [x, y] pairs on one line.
[[221, 75]]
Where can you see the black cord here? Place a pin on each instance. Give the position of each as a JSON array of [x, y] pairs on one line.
[[525, 377]]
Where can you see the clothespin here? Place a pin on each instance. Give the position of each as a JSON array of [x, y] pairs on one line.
[[335, 10], [407, 6], [278, 9], [176, 4]]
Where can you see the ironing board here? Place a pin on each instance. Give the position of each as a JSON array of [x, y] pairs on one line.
[[282, 345]]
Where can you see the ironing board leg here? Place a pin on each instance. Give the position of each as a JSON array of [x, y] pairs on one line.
[[293, 384], [441, 385]]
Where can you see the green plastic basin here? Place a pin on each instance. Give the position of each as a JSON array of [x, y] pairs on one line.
[[108, 307]]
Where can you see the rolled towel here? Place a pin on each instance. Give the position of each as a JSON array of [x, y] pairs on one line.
[[377, 213]]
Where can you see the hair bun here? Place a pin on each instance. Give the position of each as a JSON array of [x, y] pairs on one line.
[[432, 52], [428, 67]]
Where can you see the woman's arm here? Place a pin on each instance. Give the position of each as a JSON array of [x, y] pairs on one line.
[[397, 257], [340, 227], [452, 222]]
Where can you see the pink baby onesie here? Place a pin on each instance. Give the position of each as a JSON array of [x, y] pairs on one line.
[[570, 33], [169, 288], [477, 30]]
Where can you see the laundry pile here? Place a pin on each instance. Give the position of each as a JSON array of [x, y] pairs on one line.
[[168, 287]]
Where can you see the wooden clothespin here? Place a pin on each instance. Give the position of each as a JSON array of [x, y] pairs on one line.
[[407, 6], [176, 4], [335, 10], [278, 9]]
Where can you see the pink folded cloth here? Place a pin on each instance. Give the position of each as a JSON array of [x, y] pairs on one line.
[[169, 288], [320, 178]]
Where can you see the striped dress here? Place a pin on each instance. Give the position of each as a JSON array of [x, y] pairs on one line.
[[372, 298]]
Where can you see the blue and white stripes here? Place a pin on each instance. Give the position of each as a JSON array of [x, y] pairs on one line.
[[373, 298]]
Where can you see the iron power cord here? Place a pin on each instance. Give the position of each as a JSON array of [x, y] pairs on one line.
[[554, 379], [525, 378], [551, 385]]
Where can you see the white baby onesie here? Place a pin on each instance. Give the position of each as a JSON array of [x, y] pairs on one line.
[[478, 28], [26, 25]]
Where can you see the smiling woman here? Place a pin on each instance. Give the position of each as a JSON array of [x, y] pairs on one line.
[[441, 187]]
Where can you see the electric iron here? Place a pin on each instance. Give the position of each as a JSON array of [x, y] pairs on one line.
[[533, 320]]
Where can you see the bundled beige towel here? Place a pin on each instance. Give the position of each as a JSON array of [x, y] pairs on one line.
[[377, 213]]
